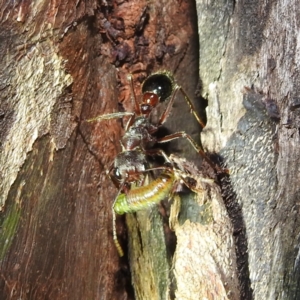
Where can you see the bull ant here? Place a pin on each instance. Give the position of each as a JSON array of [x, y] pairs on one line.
[[131, 166]]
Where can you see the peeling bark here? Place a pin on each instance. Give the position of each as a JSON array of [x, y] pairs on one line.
[[65, 62]]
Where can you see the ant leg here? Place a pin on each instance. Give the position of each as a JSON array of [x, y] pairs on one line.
[[182, 134], [120, 187], [115, 238], [117, 115], [111, 116], [114, 219], [167, 111], [158, 152], [137, 109], [191, 105]]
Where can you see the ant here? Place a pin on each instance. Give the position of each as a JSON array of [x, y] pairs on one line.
[[129, 169], [138, 140]]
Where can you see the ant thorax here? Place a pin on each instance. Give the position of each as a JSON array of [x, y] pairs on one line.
[[139, 135]]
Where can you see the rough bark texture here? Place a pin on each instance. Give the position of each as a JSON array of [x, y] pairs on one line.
[[66, 61], [249, 66], [55, 238]]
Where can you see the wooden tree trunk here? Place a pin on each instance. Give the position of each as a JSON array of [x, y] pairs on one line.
[[55, 235], [66, 62], [249, 65]]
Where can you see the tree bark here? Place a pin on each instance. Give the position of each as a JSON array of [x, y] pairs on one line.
[[56, 242], [66, 62], [249, 68]]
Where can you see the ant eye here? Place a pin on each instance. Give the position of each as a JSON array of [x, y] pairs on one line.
[[116, 173], [159, 84]]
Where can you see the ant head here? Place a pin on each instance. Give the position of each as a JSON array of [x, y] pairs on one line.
[[159, 84], [130, 166]]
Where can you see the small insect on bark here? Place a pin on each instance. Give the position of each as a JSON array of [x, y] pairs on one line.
[[132, 166]]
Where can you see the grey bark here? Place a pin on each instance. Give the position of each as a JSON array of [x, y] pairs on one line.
[[249, 68]]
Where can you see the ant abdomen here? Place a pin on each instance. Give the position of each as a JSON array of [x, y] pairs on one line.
[[161, 84]]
